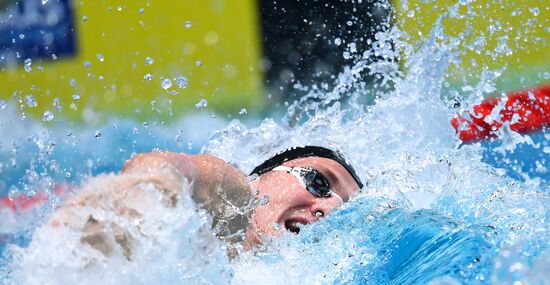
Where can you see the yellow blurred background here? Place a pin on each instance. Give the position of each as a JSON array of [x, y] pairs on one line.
[[493, 35], [212, 43], [212, 49]]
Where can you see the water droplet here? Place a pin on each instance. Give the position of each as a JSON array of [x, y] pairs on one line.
[[264, 200], [410, 14], [72, 82], [76, 97], [535, 11], [3, 105], [100, 57], [22, 36], [182, 82], [243, 112], [148, 77], [97, 134], [69, 133], [28, 65], [188, 24], [54, 57], [337, 41], [119, 8], [349, 23], [141, 10], [352, 47], [30, 101], [67, 174], [47, 116], [166, 83], [87, 64], [57, 104], [198, 62], [346, 55], [84, 18], [149, 60], [201, 105]]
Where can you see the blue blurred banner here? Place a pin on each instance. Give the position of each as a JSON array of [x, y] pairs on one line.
[[35, 29]]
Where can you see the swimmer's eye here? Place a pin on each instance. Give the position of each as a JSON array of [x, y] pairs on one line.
[[313, 180], [316, 183]]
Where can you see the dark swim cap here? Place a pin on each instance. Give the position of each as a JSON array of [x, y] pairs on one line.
[[301, 152]]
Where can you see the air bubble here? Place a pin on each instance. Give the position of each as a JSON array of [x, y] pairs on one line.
[[76, 97], [201, 105], [100, 57], [30, 101], [337, 41], [87, 64], [28, 65], [182, 82], [47, 116], [198, 63], [72, 82], [149, 60], [97, 134], [166, 83], [84, 18], [188, 24], [243, 112], [148, 77], [3, 105]]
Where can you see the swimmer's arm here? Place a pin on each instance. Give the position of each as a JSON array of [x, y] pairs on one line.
[[213, 180], [213, 183]]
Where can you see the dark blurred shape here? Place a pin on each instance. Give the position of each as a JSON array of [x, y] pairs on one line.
[[35, 29], [304, 41]]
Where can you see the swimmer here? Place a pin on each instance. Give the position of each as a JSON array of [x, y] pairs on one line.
[[295, 187]]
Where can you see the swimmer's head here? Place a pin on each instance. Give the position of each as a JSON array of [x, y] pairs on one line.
[[299, 186]]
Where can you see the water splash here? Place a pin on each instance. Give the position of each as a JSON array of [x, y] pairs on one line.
[[428, 203]]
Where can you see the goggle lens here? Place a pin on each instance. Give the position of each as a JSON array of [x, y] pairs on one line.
[[314, 181]]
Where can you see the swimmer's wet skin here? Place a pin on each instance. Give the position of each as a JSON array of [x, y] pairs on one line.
[[302, 184]]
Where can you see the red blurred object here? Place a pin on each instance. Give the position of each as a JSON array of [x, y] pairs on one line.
[[526, 111], [24, 203]]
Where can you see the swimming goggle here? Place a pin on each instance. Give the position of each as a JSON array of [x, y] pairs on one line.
[[312, 180], [301, 152]]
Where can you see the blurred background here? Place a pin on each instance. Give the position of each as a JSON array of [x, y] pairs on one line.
[[90, 60], [107, 75]]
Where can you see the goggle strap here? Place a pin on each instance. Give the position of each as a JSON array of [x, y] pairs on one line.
[[294, 173]]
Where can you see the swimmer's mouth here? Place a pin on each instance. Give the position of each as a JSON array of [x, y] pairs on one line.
[[293, 225]]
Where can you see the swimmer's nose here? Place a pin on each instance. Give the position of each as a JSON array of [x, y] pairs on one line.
[[324, 206]]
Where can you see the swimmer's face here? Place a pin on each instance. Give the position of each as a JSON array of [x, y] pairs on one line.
[[290, 205]]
